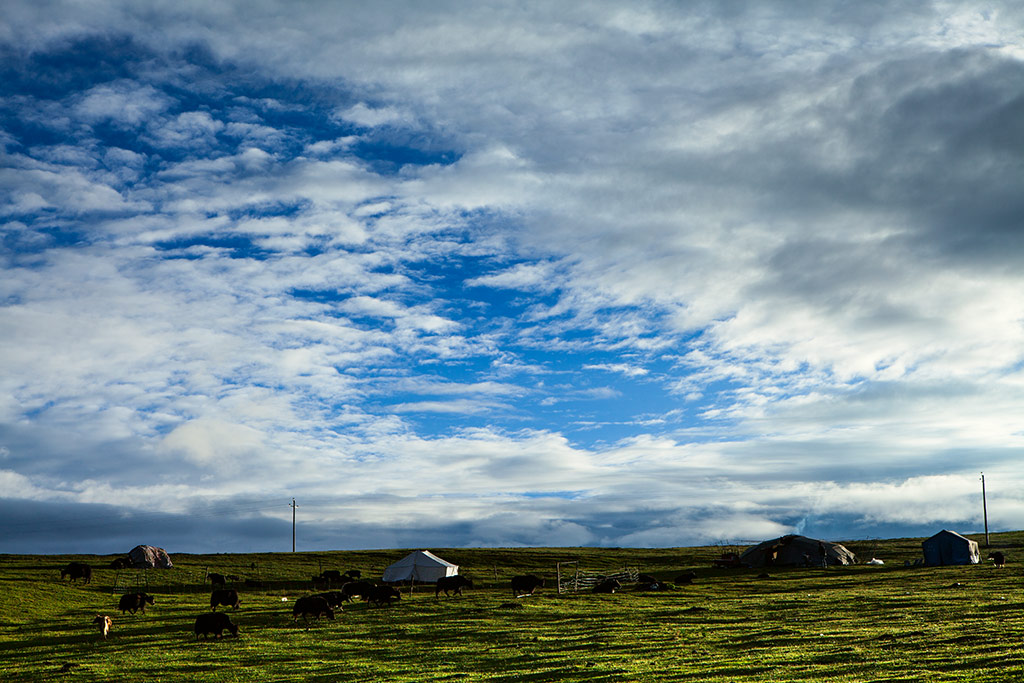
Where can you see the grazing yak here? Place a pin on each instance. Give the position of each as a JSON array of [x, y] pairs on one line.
[[224, 596], [525, 584], [121, 563], [331, 576], [214, 623], [133, 602], [217, 579], [333, 598], [354, 588], [77, 570], [997, 558], [452, 583], [383, 595], [104, 623], [686, 577], [606, 586], [311, 606], [646, 582]]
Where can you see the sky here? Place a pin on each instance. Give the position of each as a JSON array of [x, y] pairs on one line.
[[500, 274]]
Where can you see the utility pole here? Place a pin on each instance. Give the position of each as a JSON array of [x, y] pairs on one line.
[[293, 506], [984, 507]]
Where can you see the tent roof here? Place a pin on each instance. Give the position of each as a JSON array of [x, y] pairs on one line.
[[791, 549], [947, 533], [421, 558]]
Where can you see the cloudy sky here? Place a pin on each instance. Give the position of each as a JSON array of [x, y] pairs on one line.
[[508, 273]]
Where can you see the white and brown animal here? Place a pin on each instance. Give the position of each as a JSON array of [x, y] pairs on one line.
[[998, 559], [104, 622]]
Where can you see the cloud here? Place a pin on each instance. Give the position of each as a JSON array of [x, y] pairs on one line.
[[460, 406], [623, 368], [344, 243], [212, 443], [125, 103], [371, 117]]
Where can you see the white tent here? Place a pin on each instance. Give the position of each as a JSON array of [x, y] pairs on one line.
[[421, 565]]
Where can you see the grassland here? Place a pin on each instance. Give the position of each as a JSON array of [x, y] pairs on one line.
[[859, 623]]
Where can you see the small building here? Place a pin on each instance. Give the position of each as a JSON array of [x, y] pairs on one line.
[[421, 565], [949, 547]]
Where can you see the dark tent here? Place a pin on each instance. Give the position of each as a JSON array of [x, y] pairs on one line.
[[793, 550], [149, 557], [949, 547]]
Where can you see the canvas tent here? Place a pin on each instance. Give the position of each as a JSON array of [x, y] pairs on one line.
[[949, 547], [421, 565], [149, 557], [793, 550]]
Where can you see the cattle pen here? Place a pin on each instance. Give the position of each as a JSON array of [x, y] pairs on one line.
[[571, 579]]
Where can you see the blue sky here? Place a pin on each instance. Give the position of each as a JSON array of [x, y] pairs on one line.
[[500, 274]]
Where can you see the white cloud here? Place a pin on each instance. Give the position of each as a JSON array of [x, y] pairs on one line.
[[459, 406], [127, 103], [372, 117], [800, 226], [623, 368], [213, 444]]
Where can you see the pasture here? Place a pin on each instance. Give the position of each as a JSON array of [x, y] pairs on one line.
[[859, 623]]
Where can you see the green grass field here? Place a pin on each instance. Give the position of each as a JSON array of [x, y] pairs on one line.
[[859, 623]]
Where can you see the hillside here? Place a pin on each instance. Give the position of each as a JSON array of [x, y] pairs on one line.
[[890, 622]]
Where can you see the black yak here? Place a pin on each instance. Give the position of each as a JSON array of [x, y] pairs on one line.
[[526, 584], [214, 623], [224, 596], [132, 602]]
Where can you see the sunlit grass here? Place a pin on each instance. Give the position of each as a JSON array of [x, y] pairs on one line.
[[861, 623]]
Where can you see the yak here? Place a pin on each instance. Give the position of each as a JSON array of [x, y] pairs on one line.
[[214, 623], [525, 584], [452, 583], [686, 577], [224, 596], [333, 598], [311, 606], [383, 595], [77, 570], [331, 576], [133, 602], [606, 586], [354, 588]]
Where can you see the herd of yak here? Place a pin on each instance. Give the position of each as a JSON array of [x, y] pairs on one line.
[[349, 586]]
